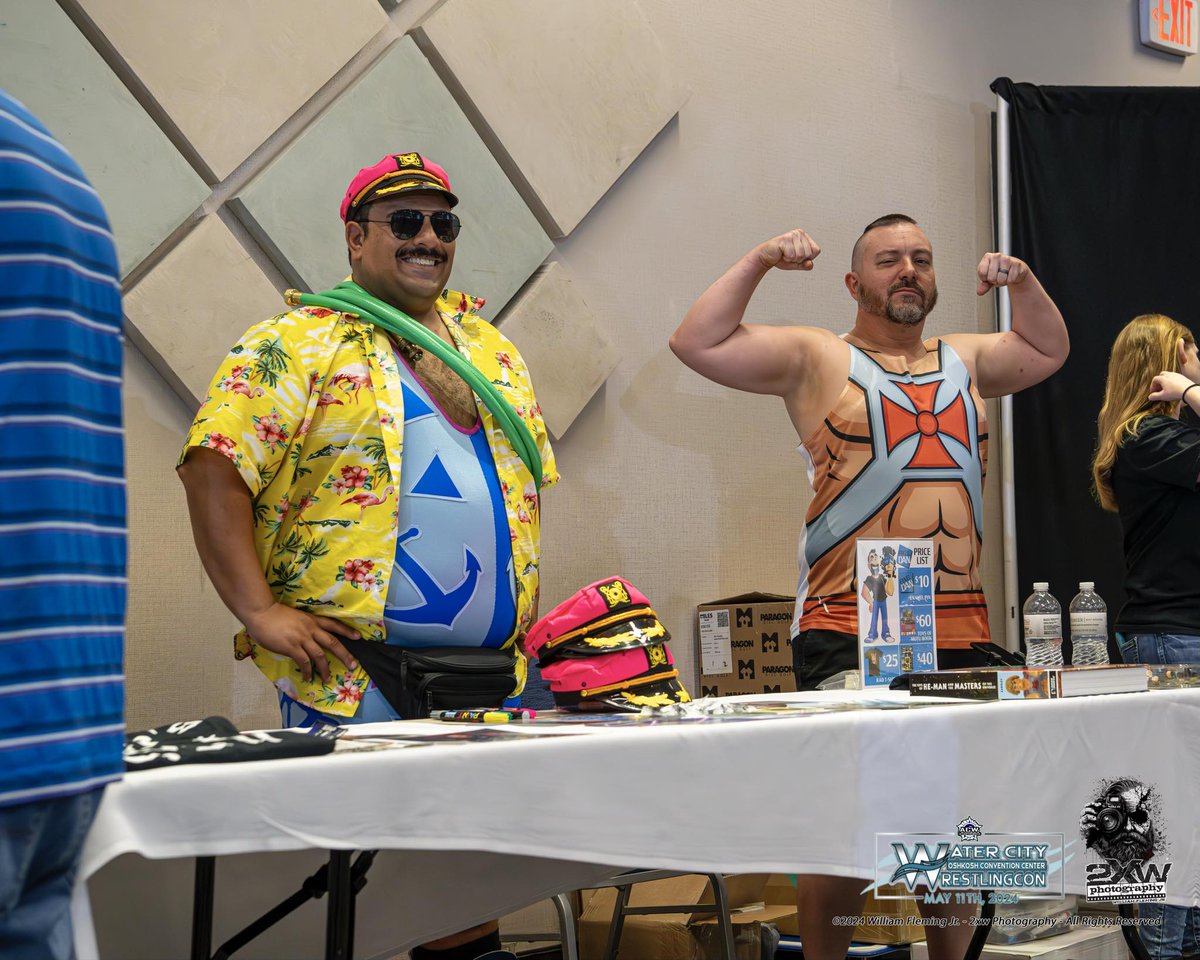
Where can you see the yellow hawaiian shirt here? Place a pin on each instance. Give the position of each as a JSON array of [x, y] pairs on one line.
[[308, 407]]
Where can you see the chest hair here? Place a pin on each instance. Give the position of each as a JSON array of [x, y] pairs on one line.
[[448, 389]]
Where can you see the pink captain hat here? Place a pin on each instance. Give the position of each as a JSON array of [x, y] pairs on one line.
[[625, 680], [395, 174], [604, 617]]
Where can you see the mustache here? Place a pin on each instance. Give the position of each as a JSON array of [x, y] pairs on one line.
[[911, 284], [422, 251]]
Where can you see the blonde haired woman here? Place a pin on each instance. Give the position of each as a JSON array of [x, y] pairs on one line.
[[1146, 470]]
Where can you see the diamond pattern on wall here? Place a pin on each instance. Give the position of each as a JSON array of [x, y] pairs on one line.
[[570, 93], [399, 105], [228, 82], [194, 305], [148, 189], [568, 351]]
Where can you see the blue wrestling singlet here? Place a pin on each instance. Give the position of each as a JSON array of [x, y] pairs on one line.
[[453, 583]]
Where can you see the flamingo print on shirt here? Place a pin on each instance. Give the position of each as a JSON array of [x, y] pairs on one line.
[[368, 499], [351, 379]]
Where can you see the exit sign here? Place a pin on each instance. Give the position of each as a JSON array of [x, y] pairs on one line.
[[1169, 25]]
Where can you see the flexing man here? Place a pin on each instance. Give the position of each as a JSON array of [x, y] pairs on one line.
[[894, 429]]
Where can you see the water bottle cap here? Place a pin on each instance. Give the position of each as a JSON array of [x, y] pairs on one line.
[[1041, 586], [1087, 585]]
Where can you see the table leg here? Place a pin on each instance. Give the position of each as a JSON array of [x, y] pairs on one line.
[[721, 899], [618, 923], [987, 913], [341, 903], [202, 907], [1133, 937]]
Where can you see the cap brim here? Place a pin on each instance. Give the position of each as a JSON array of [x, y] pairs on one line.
[[639, 632], [661, 692], [548, 651], [393, 188], [609, 671]]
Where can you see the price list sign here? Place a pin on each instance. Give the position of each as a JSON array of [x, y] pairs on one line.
[[896, 631]]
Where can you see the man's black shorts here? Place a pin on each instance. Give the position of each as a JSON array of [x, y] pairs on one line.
[[818, 654]]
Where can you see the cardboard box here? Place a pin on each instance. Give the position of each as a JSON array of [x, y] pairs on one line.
[[680, 936], [1082, 943], [744, 645], [1055, 917], [780, 889]]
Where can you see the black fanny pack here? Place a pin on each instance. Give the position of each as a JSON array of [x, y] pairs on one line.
[[415, 682]]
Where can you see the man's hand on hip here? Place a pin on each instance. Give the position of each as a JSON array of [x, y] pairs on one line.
[[303, 637]]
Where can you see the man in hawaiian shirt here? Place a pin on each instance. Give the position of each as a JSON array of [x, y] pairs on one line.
[[342, 484]]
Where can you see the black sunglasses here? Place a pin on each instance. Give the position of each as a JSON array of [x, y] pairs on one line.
[[406, 224]]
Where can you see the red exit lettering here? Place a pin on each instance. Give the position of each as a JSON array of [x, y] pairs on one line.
[[1174, 21]]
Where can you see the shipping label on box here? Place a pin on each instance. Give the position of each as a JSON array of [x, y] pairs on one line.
[[744, 645]]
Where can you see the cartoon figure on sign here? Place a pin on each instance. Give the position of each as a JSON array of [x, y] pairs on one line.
[[1028, 687], [877, 588], [889, 568]]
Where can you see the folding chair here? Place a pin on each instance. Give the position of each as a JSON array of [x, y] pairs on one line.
[[621, 910]]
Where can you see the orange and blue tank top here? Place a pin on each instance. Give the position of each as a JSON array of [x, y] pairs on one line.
[[902, 454]]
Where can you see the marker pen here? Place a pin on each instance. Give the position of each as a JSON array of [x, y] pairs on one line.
[[471, 716], [482, 716]]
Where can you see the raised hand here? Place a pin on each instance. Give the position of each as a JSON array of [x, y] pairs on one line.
[[999, 270], [1089, 824], [1169, 386], [794, 250]]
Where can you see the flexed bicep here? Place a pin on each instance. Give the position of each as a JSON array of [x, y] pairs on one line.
[[713, 340]]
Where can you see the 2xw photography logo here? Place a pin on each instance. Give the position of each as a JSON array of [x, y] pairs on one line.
[[1124, 832]]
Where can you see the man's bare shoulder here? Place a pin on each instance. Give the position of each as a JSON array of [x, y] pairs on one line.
[[827, 363], [967, 345], [824, 345], [816, 354], [811, 337]]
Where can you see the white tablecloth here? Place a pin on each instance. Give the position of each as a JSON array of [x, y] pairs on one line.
[[802, 794]]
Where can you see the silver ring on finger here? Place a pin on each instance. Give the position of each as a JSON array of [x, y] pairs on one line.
[[1003, 270]]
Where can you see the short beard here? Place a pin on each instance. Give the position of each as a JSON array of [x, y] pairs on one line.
[[904, 314]]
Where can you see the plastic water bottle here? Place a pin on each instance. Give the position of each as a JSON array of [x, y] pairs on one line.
[[1043, 628], [1089, 627]]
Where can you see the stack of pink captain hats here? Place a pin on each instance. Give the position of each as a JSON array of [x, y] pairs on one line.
[[604, 648]]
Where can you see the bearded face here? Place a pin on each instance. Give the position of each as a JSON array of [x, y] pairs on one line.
[[1118, 823], [892, 274], [906, 301]]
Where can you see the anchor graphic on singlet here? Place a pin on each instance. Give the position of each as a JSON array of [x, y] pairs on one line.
[[437, 607]]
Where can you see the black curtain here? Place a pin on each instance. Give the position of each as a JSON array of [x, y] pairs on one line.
[[1105, 208]]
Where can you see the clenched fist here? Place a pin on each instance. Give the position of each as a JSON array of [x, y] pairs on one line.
[[999, 270], [794, 250]]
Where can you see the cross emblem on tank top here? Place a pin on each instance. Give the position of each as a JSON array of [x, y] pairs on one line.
[[899, 406], [901, 422]]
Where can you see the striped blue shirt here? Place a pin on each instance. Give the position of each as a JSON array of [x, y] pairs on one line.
[[62, 486]]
